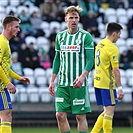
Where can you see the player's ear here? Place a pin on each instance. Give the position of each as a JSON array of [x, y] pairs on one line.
[[79, 17], [8, 26], [114, 34], [65, 19]]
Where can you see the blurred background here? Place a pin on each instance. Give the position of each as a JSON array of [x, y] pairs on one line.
[[33, 52]]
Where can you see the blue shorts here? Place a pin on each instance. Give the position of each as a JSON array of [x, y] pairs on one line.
[[106, 97], [5, 100]]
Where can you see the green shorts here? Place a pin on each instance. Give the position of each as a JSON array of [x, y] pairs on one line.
[[72, 100]]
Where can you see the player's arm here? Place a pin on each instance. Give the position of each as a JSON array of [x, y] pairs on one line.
[[116, 73], [3, 77], [89, 54], [89, 62], [114, 57], [14, 75], [56, 62], [89, 59], [56, 66], [23, 79]]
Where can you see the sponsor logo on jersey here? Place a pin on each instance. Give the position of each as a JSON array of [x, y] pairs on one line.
[[70, 48]]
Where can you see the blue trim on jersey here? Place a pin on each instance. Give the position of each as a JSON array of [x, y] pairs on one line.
[[8, 99], [103, 97]]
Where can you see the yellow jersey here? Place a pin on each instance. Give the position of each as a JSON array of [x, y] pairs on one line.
[[5, 63], [106, 58]]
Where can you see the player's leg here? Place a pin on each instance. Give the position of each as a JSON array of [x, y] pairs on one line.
[[109, 106], [5, 112], [82, 123], [6, 119], [99, 122], [108, 118], [62, 121], [63, 105], [80, 107]]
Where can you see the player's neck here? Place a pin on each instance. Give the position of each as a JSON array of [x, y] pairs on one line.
[[5, 33], [72, 31], [110, 38]]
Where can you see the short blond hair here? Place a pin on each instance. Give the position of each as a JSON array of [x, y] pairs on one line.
[[73, 9]]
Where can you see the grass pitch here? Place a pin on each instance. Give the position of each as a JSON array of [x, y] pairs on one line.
[[73, 130]]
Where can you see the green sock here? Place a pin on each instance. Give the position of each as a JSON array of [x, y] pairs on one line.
[[81, 132], [66, 132]]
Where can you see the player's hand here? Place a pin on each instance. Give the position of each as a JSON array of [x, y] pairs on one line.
[[11, 88], [120, 95], [78, 82], [25, 80], [51, 89]]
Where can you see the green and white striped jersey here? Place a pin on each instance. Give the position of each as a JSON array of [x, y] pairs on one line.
[[72, 54]]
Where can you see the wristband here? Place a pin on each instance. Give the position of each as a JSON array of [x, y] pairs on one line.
[[119, 88]]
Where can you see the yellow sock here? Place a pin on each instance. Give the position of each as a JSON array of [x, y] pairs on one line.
[[107, 124], [6, 127], [99, 124]]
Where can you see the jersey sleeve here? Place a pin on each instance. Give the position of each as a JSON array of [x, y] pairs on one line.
[[114, 57], [89, 59], [14, 75], [89, 44], [56, 63], [57, 46]]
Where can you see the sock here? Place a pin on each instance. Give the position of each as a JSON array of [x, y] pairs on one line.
[[81, 132], [107, 124], [6, 127], [99, 124], [66, 132]]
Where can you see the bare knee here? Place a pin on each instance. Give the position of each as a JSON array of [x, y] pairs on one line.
[[80, 118], [61, 116], [109, 110], [6, 115]]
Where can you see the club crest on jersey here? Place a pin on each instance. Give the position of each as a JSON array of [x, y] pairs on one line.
[[70, 48], [115, 58], [78, 41]]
